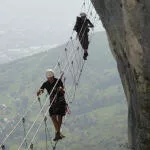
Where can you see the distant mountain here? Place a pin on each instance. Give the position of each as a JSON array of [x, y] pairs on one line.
[[9, 55], [98, 113]]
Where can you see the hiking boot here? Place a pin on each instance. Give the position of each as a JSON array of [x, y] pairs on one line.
[[57, 136], [62, 135], [84, 57], [86, 54]]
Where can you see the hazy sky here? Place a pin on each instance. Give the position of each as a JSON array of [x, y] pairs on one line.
[[54, 17], [50, 10]]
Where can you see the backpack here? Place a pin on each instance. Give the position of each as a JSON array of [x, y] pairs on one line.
[[81, 25]]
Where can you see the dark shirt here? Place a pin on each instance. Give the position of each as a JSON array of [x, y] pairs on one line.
[[49, 87], [82, 25]]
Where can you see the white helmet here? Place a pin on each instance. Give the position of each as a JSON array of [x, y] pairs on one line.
[[82, 14], [49, 73]]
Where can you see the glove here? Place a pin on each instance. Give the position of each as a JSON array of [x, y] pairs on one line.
[[61, 90], [39, 92]]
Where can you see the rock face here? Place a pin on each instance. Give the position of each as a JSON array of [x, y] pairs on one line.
[[127, 23]]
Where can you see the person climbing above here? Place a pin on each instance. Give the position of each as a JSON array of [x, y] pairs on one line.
[[58, 104], [82, 28]]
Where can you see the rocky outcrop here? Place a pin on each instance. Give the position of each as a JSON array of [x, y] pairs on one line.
[[127, 23]]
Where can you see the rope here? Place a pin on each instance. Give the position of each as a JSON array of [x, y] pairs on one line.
[[38, 115], [41, 111], [84, 19], [69, 99], [48, 108], [42, 121], [77, 83], [81, 70], [47, 131], [75, 51], [45, 119], [23, 121], [46, 127], [72, 73], [26, 114], [83, 6], [80, 30], [29, 109], [81, 39], [15, 127]]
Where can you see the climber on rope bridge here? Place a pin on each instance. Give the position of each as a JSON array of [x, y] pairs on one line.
[[82, 28], [57, 101]]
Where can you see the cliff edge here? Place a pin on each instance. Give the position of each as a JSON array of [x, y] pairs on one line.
[[127, 23]]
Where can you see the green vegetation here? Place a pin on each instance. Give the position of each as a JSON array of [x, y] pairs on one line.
[[99, 112]]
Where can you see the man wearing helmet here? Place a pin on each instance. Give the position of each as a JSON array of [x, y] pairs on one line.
[[57, 110], [82, 28]]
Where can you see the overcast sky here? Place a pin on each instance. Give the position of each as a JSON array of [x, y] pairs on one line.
[[50, 10], [56, 17]]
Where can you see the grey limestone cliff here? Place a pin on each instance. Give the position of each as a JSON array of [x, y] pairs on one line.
[[127, 23]]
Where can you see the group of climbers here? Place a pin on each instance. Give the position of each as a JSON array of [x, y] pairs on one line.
[[55, 87]]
